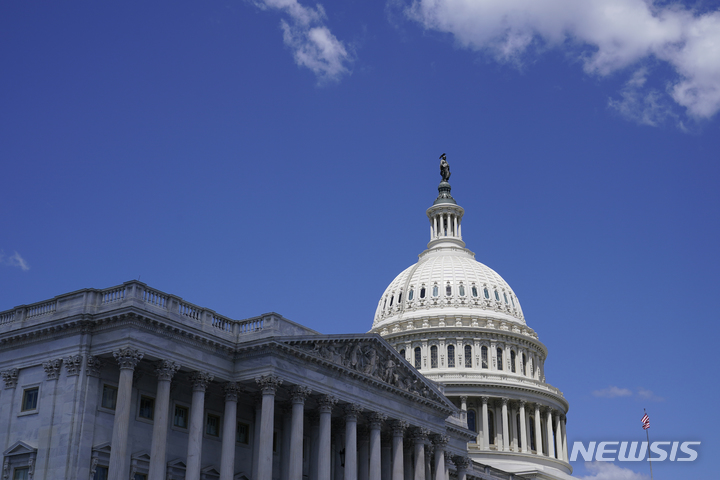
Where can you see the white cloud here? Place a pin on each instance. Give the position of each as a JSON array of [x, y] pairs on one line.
[[642, 105], [14, 260], [611, 35], [610, 471], [312, 43], [648, 395], [612, 392]]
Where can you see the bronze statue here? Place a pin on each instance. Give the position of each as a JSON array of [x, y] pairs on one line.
[[444, 168]]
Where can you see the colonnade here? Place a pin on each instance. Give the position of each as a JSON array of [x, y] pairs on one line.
[[363, 460], [518, 426], [445, 225]]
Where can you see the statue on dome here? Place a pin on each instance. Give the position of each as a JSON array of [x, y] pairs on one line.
[[444, 168]]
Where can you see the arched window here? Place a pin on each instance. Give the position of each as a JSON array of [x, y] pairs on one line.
[[385, 304], [462, 290], [472, 424], [497, 297], [484, 355], [418, 357], [402, 353], [474, 291], [512, 361], [391, 299], [532, 433], [448, 290], [433, 357], [400, 298], [491, 427], [468, 356], [435, 290], [519, 437], [451, 355], [485, 291], [422, 292], [499, 359], [410, 294], [505, 295], [524, 364]]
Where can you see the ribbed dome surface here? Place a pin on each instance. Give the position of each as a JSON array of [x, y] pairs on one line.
[[454, 284]]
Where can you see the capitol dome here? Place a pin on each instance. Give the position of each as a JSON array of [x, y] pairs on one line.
[[459, 323]]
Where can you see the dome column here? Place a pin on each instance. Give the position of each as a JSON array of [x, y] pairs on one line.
[[564, 437], [523, 432], [549, 430], [485, 427], [506, 436], [558, 438], [538, 431]]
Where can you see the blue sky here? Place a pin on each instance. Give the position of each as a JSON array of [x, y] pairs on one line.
[[279, 156]]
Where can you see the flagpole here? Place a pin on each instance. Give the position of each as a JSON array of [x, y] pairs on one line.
[[649, 452]]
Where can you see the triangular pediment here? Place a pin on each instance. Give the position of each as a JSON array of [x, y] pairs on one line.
[[177, 463], [142, 455], [103, 447], [241, 476], [19, 448], [370, 356], [210, 470]]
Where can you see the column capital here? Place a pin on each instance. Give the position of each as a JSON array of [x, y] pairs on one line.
[[463, 398], [326, 403], [128, 358], [10, 378], [165, 369], [352, 410], [448, 458], [376, 419], [94, 365], [522, 403], [73, 364], [268, 384], [440, 441], [200, 381], [52, 368], [504, 401], [485, 400], [420, 435], [299, 393], [462, 463], [398, 427], [429, 449], [231, 391]]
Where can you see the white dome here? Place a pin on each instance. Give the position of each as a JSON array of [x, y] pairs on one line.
[[474, 289]]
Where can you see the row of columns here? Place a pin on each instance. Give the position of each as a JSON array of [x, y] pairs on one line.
[[549, 424], [445, 225], [371, 466]]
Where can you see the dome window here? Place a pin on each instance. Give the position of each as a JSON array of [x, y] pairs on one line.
[[499, 359], [385, 304], [402, 353], [485, 291], [461, 290], [474, 291], [491, 427], [505, 295], [497, 296], [448, 290], [433, 357], [451, 356], [468, 356], [391, 300], [512, 361], [523, 365], [484, 356], [418, 358], [422, 292], [410, 294], [435, 290], [512, 300], [400, 298], [472, 426]]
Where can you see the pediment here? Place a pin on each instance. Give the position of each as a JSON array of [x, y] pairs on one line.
[[103, 447], [177, 463], [19, 448], [209, 473], [370, 356], [142, 455], [241, 476]]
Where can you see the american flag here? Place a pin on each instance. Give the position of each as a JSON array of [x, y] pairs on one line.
[[645, 421]]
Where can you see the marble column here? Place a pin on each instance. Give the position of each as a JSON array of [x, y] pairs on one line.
[[326, 403], [440, 442], [564, 437], [200, 382], [119, 468], [298, 393], [550, 442], [558, 438], [268, 385], [523, 431], [505, 429], [485, 426], [398, 429], [376, 419], [352, 411], [538, 431], [363, 453], [165, 369], [420, 438], [462, 464], [227, 452]]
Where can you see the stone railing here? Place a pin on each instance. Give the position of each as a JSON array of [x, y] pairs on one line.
[[140, 296]]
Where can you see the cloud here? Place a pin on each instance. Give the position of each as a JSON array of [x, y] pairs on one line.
[[648, 395], [605, 35], [14, 260], [643, 106], [610, 471], [312, 43], [612, 392]]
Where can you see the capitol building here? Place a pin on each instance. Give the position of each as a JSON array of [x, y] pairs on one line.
[[132, 383]]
